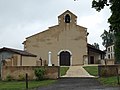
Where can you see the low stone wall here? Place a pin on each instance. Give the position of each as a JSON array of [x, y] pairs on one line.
[[16, 72], [110, 61], [107, 61], [108, 70]]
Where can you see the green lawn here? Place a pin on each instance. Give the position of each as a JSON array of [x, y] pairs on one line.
[[20, 85], [109, 81], [63, 70], [92, 70]]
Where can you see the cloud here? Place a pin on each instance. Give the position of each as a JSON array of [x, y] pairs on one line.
[[91, 20], [96, 22], [22, 18]]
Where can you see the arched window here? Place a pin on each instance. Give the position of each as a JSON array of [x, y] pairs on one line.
[[67, 18]]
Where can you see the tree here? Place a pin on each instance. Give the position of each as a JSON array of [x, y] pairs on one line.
[[114, 21], [108, 38], [96, 45]]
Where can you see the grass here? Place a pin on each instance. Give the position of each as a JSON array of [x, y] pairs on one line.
[[109, 81], [20, 85], [63, 70], [92, 70]]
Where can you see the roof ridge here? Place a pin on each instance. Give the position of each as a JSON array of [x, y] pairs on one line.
[[22, 52]]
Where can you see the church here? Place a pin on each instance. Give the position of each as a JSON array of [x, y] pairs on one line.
[[67, 43]]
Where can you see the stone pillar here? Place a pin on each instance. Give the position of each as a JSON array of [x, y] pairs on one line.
[[85, 58], [49, 59]]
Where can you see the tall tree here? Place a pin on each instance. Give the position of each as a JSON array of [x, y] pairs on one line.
[[114, 21], [108, 38]]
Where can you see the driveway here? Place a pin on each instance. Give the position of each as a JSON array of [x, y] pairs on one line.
[[77, 71], [77, 84]]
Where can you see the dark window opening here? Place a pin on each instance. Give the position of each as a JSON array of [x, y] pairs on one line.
[[109, 56], [91, 59], [67, 18]]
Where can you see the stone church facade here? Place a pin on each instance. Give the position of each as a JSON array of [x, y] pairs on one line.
[[66, 41]]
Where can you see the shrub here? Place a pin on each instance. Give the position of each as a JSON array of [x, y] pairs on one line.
[[9, 78], [21, 77], [39, 73]]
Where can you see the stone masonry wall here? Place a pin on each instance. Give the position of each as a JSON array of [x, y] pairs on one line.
[[16, 71], [108, 70]]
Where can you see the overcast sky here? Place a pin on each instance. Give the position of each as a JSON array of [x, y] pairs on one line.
[[22, 18]]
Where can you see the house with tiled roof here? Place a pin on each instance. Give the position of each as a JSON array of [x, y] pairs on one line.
[[15, 57]]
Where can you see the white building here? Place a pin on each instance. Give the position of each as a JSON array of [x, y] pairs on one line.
[[110, 52]]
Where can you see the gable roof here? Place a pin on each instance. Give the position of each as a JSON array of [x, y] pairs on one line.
[[21, 52], [67, 11], [92, 48]]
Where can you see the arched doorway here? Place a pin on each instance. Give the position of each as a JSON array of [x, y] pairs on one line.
[[64, 58]]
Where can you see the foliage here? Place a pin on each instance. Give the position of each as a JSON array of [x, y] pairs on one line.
[[109, 81], [117, 48], [20, 85], [63, 70], [96, 45], [9, 78], [99, 4], [114, 21], [21, 77], [39, 72], [104, 72], [3, 62], [92, 70], [0, 69], [108, 38]]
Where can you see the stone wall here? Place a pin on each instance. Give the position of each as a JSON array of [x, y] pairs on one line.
[[16, 71], [108, 70], [110, 61]]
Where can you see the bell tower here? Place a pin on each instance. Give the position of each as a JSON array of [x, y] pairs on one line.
[[67, 18]]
